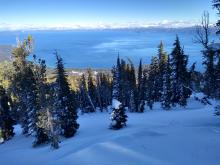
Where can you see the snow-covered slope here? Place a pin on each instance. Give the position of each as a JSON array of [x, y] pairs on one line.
[[177, 137]]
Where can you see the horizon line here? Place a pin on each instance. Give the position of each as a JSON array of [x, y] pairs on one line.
[[129, 25]]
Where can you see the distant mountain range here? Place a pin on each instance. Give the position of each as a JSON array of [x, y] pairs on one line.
[[130, 25]]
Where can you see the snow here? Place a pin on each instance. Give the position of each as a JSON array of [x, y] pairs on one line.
[[215, 46], [116, 104], [1, 140], [157, 137]]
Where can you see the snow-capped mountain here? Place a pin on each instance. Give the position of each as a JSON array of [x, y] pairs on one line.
[[132, 25]]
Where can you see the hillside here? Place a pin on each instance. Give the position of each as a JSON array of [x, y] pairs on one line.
[[180, 136], [5, 52]]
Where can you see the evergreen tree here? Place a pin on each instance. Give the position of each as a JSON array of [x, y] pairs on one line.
[[132, 88], [19, 83], [166, 94], [24, 86], [132, 105], [209, 75], [31, 102], [217, 77], [53, 122], [92, 91], [116, 83], [162, 66], [103, 90], [179, 75], [175, 71], [118, 116], [124, 85], [152, 94], [49, 124], [192, 75], [65, 102], [83, 95], [86, 104], [147, 87], [41, 135], [99, 90], [140, 88], [6, 122]]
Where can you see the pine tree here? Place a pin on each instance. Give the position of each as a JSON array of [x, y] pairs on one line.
[[49, 124], [53, 122], [53, 130], [92, 91], [124, 84], [24, 86], [31, 102], [152, 94], [217, 77], [83, 95], [86, 104], [132, 88], [146, 88], [140, 88], [175, 71], [162, 66], [116, 83], [99, 90], [132, 105], [103, 90], [209, 75], [41, 134], [179, 75], [192, 75], [65, 105], [20, 53], [118, 116], [166, 93], [6, 122]]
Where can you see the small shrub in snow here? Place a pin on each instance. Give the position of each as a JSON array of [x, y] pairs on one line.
[[118, 116]]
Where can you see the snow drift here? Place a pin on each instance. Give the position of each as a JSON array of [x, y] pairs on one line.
[[177, 137]]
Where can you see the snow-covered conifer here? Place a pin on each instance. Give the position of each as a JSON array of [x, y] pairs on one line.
[[118, 115], [65, 104], [166, 92], [179, 75]]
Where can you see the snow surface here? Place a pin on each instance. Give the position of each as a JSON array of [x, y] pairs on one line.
[[188, 136]]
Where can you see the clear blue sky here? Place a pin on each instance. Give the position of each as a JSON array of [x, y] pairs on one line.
[[106, 11]]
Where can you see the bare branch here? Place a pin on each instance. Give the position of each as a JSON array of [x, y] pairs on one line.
[[203, 30]]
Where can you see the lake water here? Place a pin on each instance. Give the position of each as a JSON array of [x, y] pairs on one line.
[[99, 48]]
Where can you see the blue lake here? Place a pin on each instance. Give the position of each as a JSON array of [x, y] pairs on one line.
[[99, 48]]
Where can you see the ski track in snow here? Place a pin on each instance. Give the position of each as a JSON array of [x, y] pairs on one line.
[[178, 137]]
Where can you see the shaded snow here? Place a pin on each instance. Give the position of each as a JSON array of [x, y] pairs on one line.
[[215, 46], [157, 137]]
